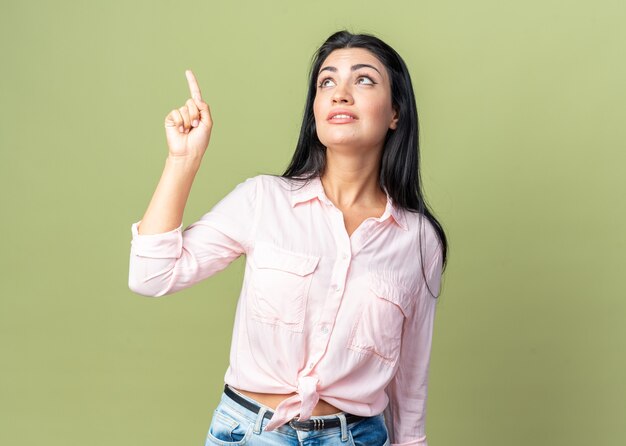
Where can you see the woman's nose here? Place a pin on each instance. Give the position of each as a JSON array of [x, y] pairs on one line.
[[341, 95]]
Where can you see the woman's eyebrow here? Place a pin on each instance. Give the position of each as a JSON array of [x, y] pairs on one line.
[[353, 68]]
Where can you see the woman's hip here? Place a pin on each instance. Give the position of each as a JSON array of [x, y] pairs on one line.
[[234, 424]]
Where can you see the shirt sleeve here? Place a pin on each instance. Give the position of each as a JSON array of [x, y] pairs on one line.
[[164, 263], [405, 415]]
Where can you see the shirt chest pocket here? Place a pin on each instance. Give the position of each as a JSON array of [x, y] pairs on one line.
[[377, 332], [280, 286]]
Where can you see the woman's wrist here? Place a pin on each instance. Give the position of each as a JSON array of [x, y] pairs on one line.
[[187, 163]]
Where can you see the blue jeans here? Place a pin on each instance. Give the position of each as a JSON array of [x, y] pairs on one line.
[[233, 424]]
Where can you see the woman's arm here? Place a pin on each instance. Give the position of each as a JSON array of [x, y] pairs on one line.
[[187, 130], [405, 416], [163, 258], [165, 211], [166, 262]]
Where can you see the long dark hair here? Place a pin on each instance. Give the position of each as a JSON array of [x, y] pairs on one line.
[[399, 172]]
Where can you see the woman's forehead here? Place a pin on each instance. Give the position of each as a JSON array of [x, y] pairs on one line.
[[353, 56], [356, 55]]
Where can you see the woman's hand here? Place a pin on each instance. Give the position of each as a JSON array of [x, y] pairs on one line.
[[188, 128]]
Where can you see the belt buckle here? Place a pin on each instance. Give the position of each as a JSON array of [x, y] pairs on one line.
[[305, 429], [317, 425]]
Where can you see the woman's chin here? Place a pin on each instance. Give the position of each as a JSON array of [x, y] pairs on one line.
[[342, 141], [350, 145]]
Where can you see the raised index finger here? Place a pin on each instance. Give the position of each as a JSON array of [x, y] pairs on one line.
[[193, 85]]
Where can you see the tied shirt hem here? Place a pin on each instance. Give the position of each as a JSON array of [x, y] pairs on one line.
[[302, 403]]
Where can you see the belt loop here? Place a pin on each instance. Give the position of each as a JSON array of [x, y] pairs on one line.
[[344, 427], [259, 420]]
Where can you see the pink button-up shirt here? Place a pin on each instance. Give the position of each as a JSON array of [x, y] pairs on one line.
[[348, 319]]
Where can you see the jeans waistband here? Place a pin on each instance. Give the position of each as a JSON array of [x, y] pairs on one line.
[[313, 423]]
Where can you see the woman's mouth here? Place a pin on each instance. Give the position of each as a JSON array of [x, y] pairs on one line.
[[341, 117]]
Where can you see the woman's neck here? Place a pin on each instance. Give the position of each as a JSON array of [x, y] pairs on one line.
[[351, 182]]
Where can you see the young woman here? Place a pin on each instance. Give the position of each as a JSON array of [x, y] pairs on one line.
[[333, 329]]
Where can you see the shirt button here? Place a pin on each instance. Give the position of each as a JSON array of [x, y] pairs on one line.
[[344, 256], [311, 365], [337, 287], [324, 329]]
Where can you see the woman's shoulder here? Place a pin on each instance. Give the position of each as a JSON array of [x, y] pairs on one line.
[[424, 232], [277, 183], [272, 179], [259, 181]]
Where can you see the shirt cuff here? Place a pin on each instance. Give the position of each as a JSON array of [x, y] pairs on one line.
[[419, 442], [166, 245]]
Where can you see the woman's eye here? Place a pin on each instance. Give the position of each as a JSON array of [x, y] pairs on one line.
[[323, 82], [367, 81]]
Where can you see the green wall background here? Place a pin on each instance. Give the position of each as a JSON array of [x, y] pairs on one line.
[[522, 118]]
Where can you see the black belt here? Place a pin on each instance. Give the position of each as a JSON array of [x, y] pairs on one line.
[[308, 425]]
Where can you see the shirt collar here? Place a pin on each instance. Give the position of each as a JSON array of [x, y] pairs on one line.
[[314, 189]]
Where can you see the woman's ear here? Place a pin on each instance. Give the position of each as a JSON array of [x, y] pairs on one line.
[[394, 120]]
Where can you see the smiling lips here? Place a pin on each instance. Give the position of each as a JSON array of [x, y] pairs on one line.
[[341, 117]]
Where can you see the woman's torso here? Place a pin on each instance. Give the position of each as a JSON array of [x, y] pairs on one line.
[[352, 220], [272, 400]]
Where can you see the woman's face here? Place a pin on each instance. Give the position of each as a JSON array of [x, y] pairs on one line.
[[355, 82]]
